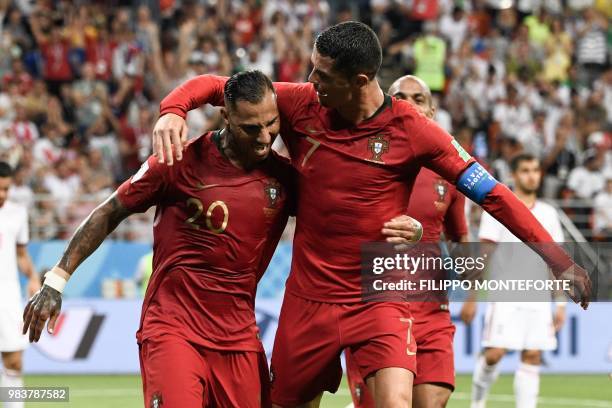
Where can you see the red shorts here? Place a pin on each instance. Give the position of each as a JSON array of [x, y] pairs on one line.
[[311, 336], [176, 373], [434, 332]]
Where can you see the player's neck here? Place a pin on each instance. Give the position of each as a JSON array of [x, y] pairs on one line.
[[366, 105], [529, 199], [226, 146]]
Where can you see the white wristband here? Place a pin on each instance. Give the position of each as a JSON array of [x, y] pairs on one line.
[[55, 281]]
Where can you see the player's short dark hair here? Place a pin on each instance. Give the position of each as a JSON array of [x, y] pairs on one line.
[[5, 169], [250, 86], [520, 158], [353, 46]]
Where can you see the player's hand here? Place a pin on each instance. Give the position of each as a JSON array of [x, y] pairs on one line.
[[580, 285], [33, 284], [44, 305], [468, 311], [559, 317], [402, 230], [169, 130]]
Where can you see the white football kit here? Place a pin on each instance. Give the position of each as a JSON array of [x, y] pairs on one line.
[[520, 325], [13, 231]]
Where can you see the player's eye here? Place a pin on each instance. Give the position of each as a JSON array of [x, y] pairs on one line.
[[250, 129]]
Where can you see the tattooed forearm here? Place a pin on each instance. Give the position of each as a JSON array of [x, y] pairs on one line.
[[90, 234]]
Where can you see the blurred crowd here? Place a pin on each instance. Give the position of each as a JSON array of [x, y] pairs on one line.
[[81, 84]]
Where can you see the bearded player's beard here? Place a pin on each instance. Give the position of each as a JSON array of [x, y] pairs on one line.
[[527, 190], [242, 151]]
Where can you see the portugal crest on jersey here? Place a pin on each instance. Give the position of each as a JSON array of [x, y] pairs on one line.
[[273, 192], [441, 189], [377, 145]]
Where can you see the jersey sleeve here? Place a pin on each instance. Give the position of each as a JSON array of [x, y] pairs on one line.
[[455, 224], [291, 97], [147, 187], [23, 235], [440, 152], [490, 229], [194, 93]]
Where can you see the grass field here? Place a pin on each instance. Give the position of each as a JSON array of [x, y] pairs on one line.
[[580, 391]]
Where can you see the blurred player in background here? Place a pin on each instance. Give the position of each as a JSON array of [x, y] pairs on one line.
[[220, 214], [440, 208], [524, 326], [143, 273], [357, 152], [14, 235]]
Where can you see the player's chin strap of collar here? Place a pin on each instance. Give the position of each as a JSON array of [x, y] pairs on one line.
[[476, 182], [57, 278]]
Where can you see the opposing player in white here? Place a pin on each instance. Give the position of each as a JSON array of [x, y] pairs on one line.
[[13, 255], [525, 326]]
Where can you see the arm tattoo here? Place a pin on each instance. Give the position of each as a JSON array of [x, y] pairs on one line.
[[90, 234]]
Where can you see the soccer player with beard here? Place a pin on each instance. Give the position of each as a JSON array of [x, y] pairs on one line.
[[440, 209], [220, 214], [357, 152]]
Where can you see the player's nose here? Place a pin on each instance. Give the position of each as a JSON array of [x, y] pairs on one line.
[[265, 137], [311, 78]]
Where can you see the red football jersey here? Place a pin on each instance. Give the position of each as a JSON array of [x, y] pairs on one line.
[[438, 206], [352, 178], [215, 230]]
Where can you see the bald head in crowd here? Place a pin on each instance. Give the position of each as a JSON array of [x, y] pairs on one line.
[[412, 89]]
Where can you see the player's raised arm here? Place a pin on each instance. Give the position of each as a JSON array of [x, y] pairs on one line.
[[171, 128], [444, 155], [47, 302], [141, 191]]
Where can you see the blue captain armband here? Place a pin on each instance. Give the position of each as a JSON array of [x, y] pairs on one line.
[[475, 183]]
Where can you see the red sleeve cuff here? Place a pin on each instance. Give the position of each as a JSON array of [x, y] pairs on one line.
[[176, 111]]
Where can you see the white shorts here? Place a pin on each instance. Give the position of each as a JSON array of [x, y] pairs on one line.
[[11, 326], [516, 326]]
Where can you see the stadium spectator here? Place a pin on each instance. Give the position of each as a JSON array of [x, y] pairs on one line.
[[602, 216], [587, 180]]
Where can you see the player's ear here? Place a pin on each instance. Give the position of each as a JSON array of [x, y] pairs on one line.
[[225, 116], [360, 80]]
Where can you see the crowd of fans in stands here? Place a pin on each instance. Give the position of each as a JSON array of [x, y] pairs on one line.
[[81, 84]]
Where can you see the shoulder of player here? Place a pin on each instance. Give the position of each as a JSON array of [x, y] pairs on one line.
[[290, 95], [405, 118], [15, 211], [404, 110], [195, 148], [305, 89]]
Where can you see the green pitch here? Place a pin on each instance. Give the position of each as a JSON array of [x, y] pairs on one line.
[[557, 391]]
